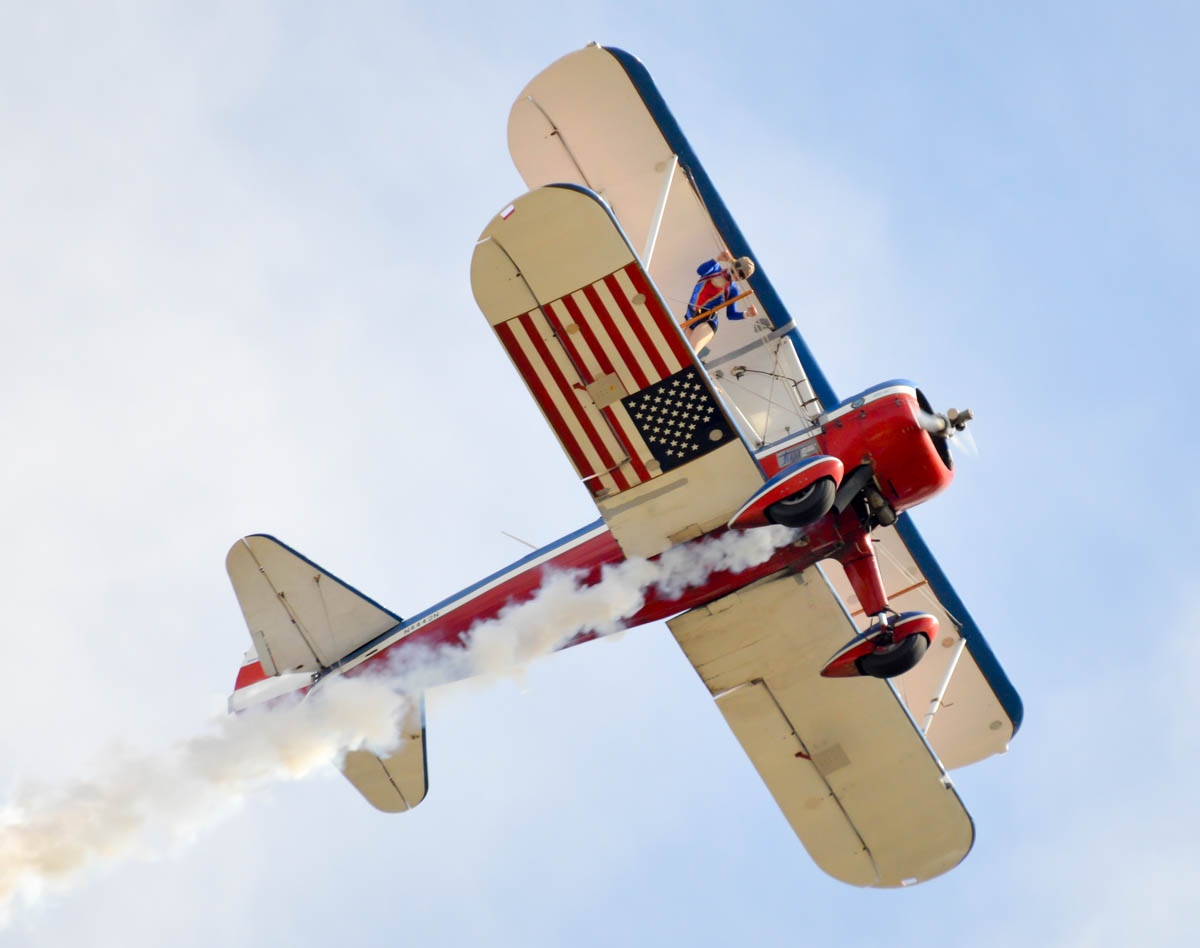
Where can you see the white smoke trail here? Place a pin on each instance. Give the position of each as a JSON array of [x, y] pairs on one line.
[[563, 608], [137, 806]]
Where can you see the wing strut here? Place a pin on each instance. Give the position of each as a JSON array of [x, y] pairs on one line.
[[937, 698], [656, 221]]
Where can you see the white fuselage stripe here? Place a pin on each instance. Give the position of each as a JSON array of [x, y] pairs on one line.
[[462, 599]]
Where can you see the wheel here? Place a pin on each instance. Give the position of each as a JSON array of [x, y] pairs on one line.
[[888, 661], [806, 506]]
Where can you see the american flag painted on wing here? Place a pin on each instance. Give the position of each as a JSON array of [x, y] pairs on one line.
[[679, 419], [584, 356]]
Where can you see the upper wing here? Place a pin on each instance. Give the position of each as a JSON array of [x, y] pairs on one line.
[[842, 757], [611, 371], [595, 118]]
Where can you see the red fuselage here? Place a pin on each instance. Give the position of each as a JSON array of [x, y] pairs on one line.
[[879, 428]]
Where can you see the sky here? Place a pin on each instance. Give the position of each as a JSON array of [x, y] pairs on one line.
[[234, 298]]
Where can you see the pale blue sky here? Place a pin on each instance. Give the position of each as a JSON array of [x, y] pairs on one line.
[[234, 298]]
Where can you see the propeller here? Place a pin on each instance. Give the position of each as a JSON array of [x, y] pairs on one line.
[[951, 428]]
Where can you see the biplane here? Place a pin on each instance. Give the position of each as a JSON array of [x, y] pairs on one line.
[[845, 664]]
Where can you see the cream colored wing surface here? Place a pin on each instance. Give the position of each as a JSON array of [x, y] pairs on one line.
[[301, 618], [583, 121], [611, 371], [947, 693], [842, 758], [399, 781]]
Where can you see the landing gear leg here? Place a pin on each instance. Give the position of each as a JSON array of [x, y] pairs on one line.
[[862, 569], [892, 644]]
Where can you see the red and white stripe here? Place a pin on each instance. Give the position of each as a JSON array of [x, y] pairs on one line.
[[616, 325]]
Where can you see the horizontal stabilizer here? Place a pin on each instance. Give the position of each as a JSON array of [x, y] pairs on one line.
[[300, 617], [398, 782]]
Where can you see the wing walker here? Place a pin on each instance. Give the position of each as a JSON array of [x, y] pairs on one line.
[[852, 688]]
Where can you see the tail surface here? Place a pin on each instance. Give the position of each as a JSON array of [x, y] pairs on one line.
[[303, 620]]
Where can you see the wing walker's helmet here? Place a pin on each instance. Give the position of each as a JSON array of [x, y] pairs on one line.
[[741, 269]]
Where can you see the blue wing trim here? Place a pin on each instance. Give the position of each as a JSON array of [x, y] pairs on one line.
[[1005, 693]]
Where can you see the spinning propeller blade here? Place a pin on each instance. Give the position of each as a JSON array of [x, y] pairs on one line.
[[952, 428]]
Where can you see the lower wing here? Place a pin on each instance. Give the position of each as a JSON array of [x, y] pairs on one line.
[[843, 758]]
